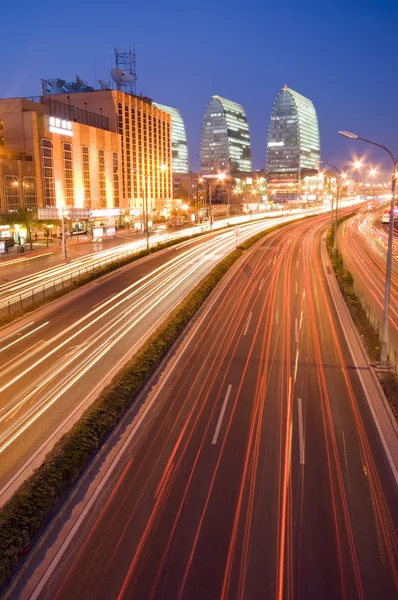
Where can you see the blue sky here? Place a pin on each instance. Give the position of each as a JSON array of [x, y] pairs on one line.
[[340, 55]]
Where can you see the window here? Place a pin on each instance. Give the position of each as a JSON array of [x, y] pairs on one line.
[[86, 176], [29, 193], [69, 184], [120, 130], [115, 165], [134, 154], [47, 162], [11, 185], [128, 149], [102, 178]]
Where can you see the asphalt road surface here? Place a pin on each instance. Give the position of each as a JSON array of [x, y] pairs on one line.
[[54, 362], [259, 472], [363, 241]]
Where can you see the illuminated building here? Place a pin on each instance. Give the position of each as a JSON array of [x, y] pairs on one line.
[[225, 143], [178, 140], [52, 160], [293, 145], [84, 150], [145, 143]]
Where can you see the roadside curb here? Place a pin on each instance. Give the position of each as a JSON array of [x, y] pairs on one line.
[[378, 404]]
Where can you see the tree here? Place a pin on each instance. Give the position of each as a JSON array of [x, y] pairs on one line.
[[27, 218]]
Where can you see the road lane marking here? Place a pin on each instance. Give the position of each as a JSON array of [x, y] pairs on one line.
[[220, 418], [152, 397], [296, 365], [103, 301], [24, 336], [301, 320], [296, 330], [296, 287], [17, 331], [19, 260], [247, 323], [261, 284], [301, 430]]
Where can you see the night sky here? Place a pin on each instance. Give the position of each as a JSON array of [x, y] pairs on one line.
[[341, 55]]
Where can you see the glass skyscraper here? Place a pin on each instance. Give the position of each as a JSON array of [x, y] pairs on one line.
[[225, 143], [293, 144], [178, 139]]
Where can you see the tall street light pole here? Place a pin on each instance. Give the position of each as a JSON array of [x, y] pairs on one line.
[[220, 177], [337, 203], [387, 286], [340, 174], [146, 176]]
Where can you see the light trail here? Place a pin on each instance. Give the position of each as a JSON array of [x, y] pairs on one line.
[[39, 377], [52, 278]]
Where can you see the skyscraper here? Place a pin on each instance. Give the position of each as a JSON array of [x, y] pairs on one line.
[[225, 142], [293, 144], [178, 139]]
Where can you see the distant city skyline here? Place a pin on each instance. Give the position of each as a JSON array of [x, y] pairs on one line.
[[344, 62]]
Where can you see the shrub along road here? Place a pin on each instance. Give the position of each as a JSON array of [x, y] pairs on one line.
[[258, 472]]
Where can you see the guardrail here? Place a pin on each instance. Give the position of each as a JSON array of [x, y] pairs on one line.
[[49, 290], [46, 291], [19, 301]]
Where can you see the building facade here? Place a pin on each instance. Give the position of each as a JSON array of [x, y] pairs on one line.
[[293, 150], [180, 163], [145, 138], [225, 142], [99, 150], [48, 161]]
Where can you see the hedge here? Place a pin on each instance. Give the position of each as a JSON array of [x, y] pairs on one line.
[[25, 514]]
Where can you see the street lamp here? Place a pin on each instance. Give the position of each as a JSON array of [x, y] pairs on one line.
[[387, 287], [219, 177], [340, 174], [146, 176]]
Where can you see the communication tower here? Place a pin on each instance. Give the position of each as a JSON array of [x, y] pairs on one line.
[[124, 75]]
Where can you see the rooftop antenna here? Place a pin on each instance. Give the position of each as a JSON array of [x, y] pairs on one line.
[[124, 75]]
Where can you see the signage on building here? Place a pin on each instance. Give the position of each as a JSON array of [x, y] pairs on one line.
[[49, 213], [106, 212], [79, 213], [61, 126]]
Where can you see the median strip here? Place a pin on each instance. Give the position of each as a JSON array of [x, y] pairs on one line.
[[25, 514]]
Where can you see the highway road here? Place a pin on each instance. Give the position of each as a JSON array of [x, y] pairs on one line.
[[363, 241], [54, 362], [255, 470], [28, 279]]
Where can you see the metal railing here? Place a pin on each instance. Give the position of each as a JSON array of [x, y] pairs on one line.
[[375, 324]]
